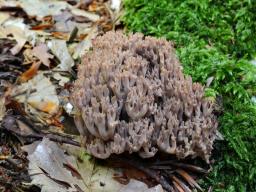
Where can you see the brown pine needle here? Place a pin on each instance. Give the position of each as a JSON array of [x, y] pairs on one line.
[[177, 187], [189, 179], [181, 184]]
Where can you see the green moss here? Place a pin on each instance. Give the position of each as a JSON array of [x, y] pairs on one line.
[[213, 39]]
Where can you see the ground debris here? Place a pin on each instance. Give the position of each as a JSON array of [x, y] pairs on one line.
[[175, 175], [13, 162]]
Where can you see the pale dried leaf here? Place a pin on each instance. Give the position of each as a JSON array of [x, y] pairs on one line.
[[41, 52], [81, 48], [139, 186], [62, 79], [43, 7], [92, 16], [60, 50], [86, 44], [39, 93], [68, 26], [3, 17], [2, 108], [52, 7], [66, 22], [20, 33], [51, 158], [9, 3]]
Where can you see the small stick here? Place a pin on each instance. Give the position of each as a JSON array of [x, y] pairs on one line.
[[182, 165]]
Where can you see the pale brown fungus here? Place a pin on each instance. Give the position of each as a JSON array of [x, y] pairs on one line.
[[131, 95]]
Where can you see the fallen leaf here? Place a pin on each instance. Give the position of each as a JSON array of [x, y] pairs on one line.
[[42, 27], [66, 22], [73, 170], [20, 33], [2, 108], [30, 73], [60, 35], [62, 79], [47, 170], [96, 177], [60, 50], [138, 186], [86, 44], [53, 7], [68, 26], [43, 8], [92, 16], [41, 52], [48, 106], [43, 97], [3, 17]]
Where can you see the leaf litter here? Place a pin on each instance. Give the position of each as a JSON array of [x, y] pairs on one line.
[[41, 47]]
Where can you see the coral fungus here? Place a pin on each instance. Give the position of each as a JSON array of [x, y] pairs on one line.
[[131, 95]]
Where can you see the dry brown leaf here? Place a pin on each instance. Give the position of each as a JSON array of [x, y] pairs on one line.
[[60, 35], [41, 52], [42, 27], [30, 73]]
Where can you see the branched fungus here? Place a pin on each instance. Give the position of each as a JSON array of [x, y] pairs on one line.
[[131, 95]]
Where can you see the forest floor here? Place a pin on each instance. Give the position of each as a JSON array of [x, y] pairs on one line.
[[41, 45]]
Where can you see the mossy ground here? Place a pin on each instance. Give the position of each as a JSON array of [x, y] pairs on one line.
[[213, 39]]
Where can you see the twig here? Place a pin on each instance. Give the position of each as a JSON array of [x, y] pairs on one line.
[[56, 138], [181, 165]]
